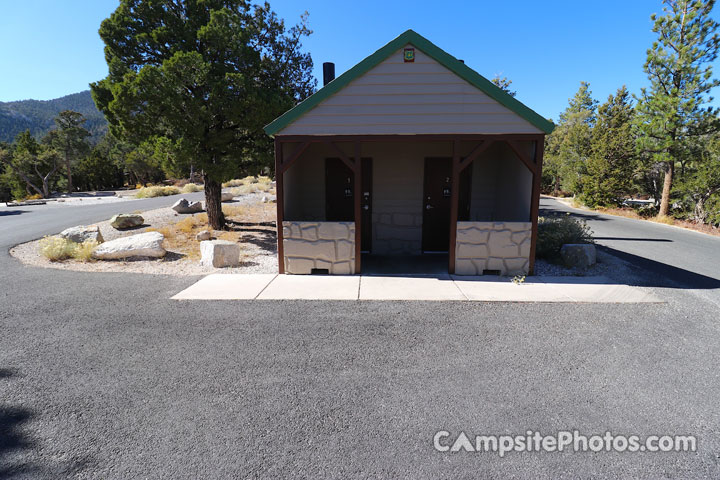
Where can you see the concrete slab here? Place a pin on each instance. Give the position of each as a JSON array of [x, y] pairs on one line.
[[594, 293], [496, 289], [433, 287], [441, 287], [226, 287], [312, 287]]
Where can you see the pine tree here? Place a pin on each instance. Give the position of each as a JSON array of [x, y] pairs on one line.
[[208, 75], [70, 140], [611, 164], [568, 146], [503, 83], [679, 67]]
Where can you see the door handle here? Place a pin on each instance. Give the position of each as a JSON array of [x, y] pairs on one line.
[[428, 207]]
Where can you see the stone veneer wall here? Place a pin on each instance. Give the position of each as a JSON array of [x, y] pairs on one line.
[[503, 246], [326, 245]]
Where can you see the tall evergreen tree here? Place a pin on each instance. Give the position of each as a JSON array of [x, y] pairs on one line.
[[569, 146], [206, 74], [611, 165], [70, 140], [32, 163], [679, 66]]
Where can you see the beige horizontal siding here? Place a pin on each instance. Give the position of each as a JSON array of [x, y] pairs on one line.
[[409, 98]]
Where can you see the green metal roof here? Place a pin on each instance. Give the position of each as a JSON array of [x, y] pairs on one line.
[[431, 50]]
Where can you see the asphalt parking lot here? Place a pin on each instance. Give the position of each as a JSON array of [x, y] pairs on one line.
[[103, 376]]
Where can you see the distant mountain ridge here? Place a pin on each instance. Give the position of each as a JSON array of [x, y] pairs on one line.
[[39, 115]]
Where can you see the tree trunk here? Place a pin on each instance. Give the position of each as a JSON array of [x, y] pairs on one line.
[[667, 186], [69, 176], [46, 187], [700, 212], [213, 190]]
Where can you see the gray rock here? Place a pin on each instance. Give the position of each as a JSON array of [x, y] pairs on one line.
[[82, 233], [219, 253], [204, 235], [226, 196], [184, 206], [578, 255], [148, 244], [126, 220]]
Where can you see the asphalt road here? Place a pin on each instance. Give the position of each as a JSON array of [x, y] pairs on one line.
[[102, 376]]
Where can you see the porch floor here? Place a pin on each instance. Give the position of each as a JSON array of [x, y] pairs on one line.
[[431, 264]]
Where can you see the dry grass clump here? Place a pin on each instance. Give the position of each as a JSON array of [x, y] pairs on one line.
[[57, 249], [191, 188], [243, 190], [236, 182], [180, 236], [233, 210], [247, 181], [252, 188], [255, 213], [667, 220], [83, 251], [157, 191]]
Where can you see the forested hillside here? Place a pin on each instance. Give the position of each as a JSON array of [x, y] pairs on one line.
[[38, 115]]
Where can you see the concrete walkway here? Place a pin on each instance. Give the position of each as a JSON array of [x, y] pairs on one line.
[[413, 287]]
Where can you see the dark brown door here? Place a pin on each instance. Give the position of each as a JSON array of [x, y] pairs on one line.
[[464, 194], [339, 204], [436, 205], [366, 205]]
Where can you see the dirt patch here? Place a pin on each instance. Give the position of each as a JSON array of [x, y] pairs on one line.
[[251, 223]]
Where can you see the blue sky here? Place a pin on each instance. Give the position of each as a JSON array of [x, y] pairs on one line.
[[50, 48]]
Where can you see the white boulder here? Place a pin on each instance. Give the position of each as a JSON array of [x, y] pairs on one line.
[[148, 244], [226, 196], [82, 233], [184, 206], [219, 253]]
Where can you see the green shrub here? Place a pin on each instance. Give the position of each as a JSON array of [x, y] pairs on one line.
[[646, 211], [554, 232], [150, 192], [191, 188]]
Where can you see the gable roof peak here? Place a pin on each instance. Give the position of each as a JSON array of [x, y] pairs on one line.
[[409, 36]]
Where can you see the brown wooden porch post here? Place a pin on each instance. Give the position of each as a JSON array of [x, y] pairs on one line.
[[535, 200], [280, 203], [454, 200], [357, 172]]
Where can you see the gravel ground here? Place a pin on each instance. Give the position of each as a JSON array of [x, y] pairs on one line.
[[606, 265], [258, 249]]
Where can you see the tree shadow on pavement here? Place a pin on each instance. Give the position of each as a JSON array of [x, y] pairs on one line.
[[17, 448], [658, 274]]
